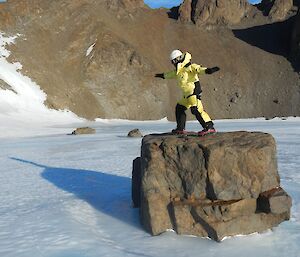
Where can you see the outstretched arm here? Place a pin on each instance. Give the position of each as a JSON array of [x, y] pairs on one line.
[[166, 75], [203, 70], [199, 69], [159, 75], [212, 70]]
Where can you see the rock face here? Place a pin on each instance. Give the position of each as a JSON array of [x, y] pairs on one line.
[[276, 10], [96, 58], [231, 12], [5, 86], [216, 186], [128, 5], [211, 12], [280, 9], [95, 65], [186, 11]]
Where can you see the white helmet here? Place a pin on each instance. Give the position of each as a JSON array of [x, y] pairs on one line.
[[175, 54]]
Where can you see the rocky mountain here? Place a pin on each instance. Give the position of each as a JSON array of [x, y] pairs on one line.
[[98, 58], [214, 12], [234, 12]]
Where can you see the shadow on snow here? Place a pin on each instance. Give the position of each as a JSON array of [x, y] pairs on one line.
[[110, 194]]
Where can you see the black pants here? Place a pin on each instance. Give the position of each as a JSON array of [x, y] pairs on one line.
[[181, 117]]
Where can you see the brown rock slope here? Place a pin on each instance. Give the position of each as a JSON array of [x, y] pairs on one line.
[[98, 58]]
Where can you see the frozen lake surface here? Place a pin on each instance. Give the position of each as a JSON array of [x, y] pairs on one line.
[[70, 196]]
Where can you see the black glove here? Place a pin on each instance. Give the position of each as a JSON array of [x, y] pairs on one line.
[[159, 75], [212, 70]]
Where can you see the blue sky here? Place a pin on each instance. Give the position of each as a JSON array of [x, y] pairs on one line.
[[162, 3], [172, 3]]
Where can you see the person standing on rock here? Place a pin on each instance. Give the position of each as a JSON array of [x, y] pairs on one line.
[[187, 75]]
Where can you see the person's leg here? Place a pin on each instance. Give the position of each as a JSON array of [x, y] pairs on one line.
[[203, 117], [198, 116], [180, 117]]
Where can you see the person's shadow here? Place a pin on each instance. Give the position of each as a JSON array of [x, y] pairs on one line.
[[110, 194]]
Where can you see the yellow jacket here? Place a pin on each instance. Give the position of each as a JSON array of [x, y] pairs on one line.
[[186, 75]]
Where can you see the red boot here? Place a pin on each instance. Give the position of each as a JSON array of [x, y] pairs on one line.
[[178, 132], [206, 132]]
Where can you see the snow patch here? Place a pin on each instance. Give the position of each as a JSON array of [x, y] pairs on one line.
[[18, 65], [24, 104], [90, 49], [124, 121], [4, 41]]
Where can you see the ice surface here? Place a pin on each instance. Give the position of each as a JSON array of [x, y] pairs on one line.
[[70, 196]]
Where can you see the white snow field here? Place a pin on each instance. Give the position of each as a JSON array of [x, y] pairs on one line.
[[70, 196]]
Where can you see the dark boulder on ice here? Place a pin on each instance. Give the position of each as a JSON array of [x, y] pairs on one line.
[[85, 130], [135, 133], [214, 186]]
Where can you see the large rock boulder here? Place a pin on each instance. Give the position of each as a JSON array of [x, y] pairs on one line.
[[216, 186], [135, 133]]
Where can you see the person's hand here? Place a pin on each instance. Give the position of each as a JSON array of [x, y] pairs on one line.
[[159, 75], [212, 70]]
